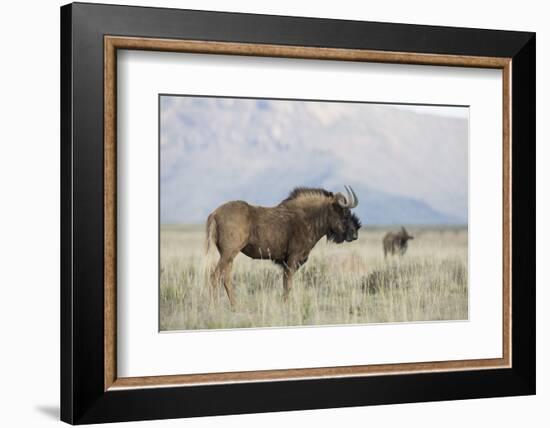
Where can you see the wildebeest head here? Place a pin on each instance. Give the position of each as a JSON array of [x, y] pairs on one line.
[[344, 225], [404, 235]]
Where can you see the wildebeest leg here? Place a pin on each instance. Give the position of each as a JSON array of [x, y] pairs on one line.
[[214, 282], [227, 283], [288, 273], [287, 283], [222, 275], [229, 244]]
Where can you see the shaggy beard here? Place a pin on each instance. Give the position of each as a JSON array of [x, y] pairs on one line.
[[337, 239]]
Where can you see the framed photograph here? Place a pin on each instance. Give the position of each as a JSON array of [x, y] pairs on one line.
[[265, 213]]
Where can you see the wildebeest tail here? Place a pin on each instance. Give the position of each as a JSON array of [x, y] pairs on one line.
[[211, 233], [210, 247]]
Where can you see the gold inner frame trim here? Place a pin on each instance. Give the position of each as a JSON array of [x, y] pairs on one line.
[[113, 43]]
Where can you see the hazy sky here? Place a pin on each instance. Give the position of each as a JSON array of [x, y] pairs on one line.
[[405, 162]]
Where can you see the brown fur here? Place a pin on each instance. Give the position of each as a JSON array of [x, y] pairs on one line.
[[284, 234], [396, 242]]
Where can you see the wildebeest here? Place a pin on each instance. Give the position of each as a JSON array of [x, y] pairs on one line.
[[396, 242], [284, 234]]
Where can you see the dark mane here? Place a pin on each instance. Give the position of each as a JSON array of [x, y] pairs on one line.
[[307, 191]]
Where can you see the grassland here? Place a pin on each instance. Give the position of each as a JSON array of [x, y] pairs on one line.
[[350, 283]]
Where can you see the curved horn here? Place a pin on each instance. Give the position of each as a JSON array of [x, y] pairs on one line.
[[343, 200], [352, 196]]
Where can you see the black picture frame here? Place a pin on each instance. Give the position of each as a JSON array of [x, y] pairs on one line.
[[83, 398]]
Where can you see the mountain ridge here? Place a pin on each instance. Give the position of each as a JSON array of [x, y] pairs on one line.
[[407, 167]]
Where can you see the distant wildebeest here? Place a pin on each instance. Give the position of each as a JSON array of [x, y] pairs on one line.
[[284, 234], [396, 242]]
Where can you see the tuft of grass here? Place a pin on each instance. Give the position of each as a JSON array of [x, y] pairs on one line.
[[350, 283]]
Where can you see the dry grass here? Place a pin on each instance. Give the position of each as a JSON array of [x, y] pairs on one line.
[[340, 284]]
